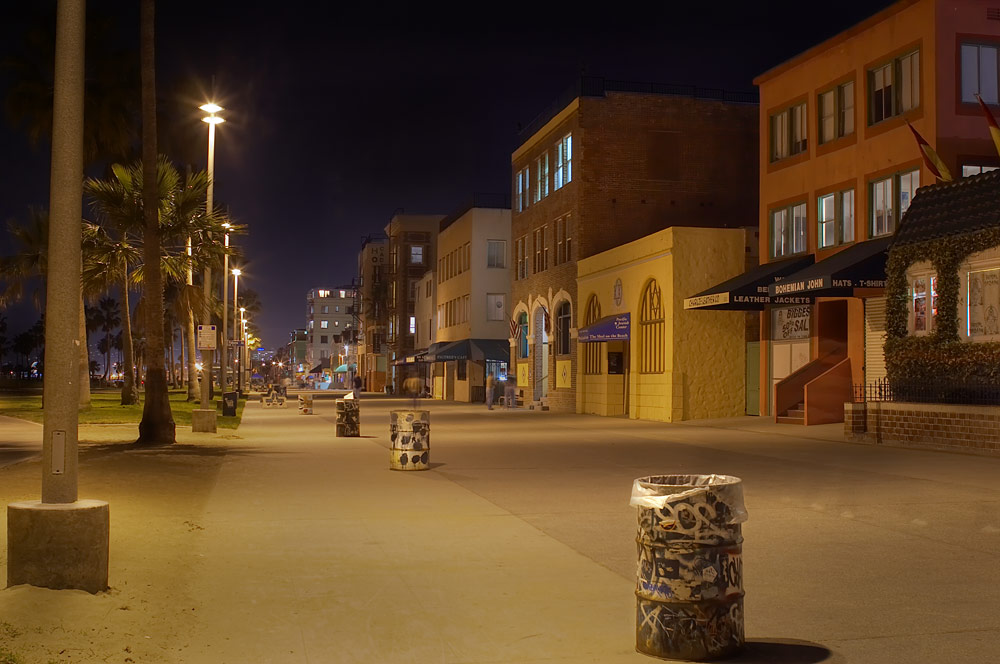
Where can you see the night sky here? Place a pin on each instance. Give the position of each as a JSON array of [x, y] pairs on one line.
[[338, 115]]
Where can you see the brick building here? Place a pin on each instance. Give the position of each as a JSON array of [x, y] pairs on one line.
[[611, 163], [373, 314]]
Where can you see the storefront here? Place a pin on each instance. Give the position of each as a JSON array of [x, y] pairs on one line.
[[459, 368]]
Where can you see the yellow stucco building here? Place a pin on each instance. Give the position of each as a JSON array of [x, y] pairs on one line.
[[641, 354]]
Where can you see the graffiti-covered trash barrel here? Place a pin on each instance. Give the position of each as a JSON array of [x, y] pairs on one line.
[[410, 437], [305, 404], [689, 589], [348, 418]]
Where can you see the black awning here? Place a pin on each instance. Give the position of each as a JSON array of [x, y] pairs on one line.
[[456, 350], [861, 265], [469, 349], [497, 350], [748, 291]]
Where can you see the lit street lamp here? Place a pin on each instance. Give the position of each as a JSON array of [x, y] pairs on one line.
[[212, 119], [223, 364], [236, 298]]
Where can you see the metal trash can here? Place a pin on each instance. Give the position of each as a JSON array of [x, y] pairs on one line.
[[348, 418], [410, 436], [689, 586], [305, 404], [229, 404]]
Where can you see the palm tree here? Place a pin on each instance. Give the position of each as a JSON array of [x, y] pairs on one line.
[[3, 338], [111, 318], [27, 268], [157, 424]]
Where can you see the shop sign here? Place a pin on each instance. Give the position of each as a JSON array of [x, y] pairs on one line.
[[789, 323]]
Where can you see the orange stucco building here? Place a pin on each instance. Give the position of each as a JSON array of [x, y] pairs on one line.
[[838, 167]]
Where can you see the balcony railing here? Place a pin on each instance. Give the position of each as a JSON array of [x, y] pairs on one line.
[[971, 393]]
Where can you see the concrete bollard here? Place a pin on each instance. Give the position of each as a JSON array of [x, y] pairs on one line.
[[348, 418], [410, 435], [305, 404], [689, 585]]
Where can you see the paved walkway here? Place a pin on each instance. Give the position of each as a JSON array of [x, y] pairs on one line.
[[282, 543]]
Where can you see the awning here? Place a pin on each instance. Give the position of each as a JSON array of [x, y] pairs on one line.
[[861, 265], [343, 368], [466, 349], [609, 328], [412, 359], [748, 291]]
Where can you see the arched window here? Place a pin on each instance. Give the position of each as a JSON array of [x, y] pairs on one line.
[[522, 343], [592, 350], [651, 330], [564, 320]]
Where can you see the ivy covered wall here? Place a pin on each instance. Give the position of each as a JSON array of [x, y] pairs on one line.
[[941, 354]]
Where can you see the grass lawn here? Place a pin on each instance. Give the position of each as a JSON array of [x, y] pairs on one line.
[[105, 408]]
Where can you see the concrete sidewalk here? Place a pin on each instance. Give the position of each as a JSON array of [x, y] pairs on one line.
[[282, 543]]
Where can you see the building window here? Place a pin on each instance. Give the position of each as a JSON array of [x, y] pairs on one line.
[[592, 350], [969, 170], [564, 240], [520, 249], [541, 178], [522, 342], [322, 354], [888, 196], [979, 73], [416, 255], [564, 162], [496, 253], [323, 339], [564, 320], [924, 312], [336, 323], [413, 324], [651, 350], [324, 324], [495, 305], [323, 293], [835, 213], [789, 132], [325, 309], [894, 88], [311, 325], [836, 112], [522, 185], [982, 302], [541, 250], [788, 230], [461, 370]]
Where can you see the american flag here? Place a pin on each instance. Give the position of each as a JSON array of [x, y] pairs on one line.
[[515, 329]]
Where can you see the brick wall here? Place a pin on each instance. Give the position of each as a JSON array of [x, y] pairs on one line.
[[641, 163], [934, 426]]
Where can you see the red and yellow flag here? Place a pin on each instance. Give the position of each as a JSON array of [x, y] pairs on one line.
[[992, 122], [931, 158]]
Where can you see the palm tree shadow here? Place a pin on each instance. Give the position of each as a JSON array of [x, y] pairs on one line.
[[174, 450]]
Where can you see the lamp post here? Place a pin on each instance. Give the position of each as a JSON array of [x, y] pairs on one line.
[[223, 364], [212, 119], [242, 347], [236, 298]]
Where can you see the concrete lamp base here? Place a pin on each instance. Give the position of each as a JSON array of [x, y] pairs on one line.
[[63, 546], [203, 420]]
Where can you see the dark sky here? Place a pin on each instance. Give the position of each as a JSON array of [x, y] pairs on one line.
[[338, 115]]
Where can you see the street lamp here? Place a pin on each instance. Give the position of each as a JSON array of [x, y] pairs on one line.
[[223, 364], [212, 119], [236, 298]]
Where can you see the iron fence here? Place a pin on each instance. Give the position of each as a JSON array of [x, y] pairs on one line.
[[930, 391]]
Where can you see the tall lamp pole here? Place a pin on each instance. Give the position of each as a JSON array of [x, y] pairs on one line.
[[212, 119], [236, 298], [223, 366]]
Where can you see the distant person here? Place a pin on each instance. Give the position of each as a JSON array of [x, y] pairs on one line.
[[357, 386], [510, 394], [490, 385]]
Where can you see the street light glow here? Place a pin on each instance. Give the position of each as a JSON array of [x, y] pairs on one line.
[[213, 119], [237, 271], [210, 107]]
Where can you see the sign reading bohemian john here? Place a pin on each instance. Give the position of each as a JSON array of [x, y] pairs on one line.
[[748, 291], [860, 266]]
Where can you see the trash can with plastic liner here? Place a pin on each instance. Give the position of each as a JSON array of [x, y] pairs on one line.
[[689, 586], [229, 404], [305, 404], [348, 417]]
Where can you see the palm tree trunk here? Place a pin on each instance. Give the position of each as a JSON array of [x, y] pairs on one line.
[[180, 329], [84, 358], [157, 425], [193, 385], [170, 355], [107, 356], [130, 395]]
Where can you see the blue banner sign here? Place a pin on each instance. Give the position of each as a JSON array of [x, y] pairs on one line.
[[612, 328]]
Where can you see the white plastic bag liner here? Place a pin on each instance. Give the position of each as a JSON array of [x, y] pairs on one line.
[[657, 491]]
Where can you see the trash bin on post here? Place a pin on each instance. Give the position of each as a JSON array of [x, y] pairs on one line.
[[689, 586], [410, 436], [348, 417], [305, 404], [229, 404]]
